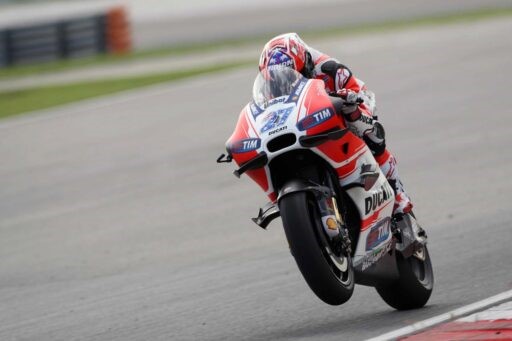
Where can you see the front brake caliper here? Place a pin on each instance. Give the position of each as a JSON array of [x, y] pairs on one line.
[[334, 227]]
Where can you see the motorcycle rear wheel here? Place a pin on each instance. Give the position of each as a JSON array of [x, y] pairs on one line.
[[320, 267], [414, 287]]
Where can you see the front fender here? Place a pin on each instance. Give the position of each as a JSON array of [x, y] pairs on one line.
[[297, 185], [325, 202], [271, 211]]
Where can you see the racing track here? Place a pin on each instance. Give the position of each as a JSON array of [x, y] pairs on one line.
[[116, 223]]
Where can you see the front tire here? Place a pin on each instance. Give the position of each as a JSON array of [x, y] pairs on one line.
[[414, 287], [320, 267]]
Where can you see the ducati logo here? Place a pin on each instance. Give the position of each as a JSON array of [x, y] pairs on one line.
[[377, 199]]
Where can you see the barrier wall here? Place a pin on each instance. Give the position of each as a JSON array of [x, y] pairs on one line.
[[102, 33]]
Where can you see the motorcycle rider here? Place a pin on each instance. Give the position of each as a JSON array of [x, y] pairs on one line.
[[290, 50]]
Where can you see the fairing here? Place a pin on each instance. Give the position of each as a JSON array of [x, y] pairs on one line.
[[284, 103]]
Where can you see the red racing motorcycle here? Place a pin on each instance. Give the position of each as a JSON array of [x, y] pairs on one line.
[[334, 202]]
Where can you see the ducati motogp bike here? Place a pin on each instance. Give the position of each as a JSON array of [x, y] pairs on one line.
[[334, 201]]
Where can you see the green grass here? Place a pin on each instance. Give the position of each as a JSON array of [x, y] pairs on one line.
[[106, 59], [59, 65], [25, 70], [16, 102]]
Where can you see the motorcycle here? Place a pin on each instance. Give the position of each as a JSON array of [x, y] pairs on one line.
[[334, 201]]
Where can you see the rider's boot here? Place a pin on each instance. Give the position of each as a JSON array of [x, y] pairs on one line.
[[403, 205]]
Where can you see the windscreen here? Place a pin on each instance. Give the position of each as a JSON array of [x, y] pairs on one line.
[[272, 83]]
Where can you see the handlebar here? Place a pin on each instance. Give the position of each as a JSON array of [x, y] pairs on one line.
[[359, 99]]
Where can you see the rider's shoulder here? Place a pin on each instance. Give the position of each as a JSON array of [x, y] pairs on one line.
[[325, 64], [333, 68]]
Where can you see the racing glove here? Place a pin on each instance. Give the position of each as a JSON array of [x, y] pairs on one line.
[[351, 101]]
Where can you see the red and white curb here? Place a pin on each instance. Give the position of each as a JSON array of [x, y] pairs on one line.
[[471, 322]]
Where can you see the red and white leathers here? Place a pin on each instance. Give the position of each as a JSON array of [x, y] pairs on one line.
[[362, 121], [361, 118]]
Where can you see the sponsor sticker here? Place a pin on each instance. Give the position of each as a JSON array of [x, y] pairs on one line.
[[272, 132], [255, 110], [300, 87], [331, 224], [379, 197], [276, 118], [315, 119], [378, 234], [246, 145], [276, 100], [374, 256], [295, 94], [279, 59]]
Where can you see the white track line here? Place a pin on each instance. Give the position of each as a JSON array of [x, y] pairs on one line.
[[419, 326]]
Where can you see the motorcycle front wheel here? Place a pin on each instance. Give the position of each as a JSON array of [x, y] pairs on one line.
[[330, 276]]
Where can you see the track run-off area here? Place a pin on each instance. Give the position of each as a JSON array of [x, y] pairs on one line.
[[117, 224]]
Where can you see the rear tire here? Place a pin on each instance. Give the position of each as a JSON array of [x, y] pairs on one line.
[[310, 247], [415, 285]]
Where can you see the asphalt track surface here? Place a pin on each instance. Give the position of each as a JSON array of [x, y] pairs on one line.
[[116, 223]]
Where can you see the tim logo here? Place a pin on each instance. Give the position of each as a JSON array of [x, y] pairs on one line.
[[378, 234], [315, 119], [244, 146]]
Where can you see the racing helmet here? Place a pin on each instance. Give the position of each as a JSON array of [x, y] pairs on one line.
[[287, 50]]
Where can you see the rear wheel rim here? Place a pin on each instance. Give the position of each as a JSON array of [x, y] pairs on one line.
[[421, 269]]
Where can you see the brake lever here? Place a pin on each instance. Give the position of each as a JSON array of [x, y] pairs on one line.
[[223, 158], [359, 100]]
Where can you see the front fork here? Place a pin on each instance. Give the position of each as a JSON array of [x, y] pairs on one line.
[[325, 199], [333, 224]]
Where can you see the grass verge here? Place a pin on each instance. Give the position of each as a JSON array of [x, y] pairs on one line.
[[16, 102], [26, 70]]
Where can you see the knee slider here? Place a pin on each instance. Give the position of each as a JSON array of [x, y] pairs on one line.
[[377, 149], [378, 131]]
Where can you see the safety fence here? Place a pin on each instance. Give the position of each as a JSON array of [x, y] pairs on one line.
[[102, 33]]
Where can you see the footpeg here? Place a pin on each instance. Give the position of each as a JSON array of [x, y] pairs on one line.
[[396, 232], [420, 253], [411, 238]]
